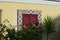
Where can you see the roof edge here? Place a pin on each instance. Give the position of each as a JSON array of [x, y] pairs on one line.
[[37, 2]]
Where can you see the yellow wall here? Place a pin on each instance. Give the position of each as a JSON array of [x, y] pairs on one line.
[[9, 10]]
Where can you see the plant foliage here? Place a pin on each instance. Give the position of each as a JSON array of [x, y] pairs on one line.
[[49, 25], [27, 33]]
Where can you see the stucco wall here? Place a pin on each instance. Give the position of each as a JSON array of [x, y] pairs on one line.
[[9, 10]]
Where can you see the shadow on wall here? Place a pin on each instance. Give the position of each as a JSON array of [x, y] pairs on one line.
[[57, 21], [56, 35]]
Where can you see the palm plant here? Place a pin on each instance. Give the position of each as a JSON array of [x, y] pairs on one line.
[[48, 25]]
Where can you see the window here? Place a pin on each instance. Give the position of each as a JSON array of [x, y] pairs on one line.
[[29, 19], [24, 17]]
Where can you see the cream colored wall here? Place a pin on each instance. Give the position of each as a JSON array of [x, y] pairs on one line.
[[9, 10]]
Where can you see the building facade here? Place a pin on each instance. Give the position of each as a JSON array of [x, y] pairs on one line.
[[9, 11]]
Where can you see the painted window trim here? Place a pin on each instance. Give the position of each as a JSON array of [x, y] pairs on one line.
[[20, 12]]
